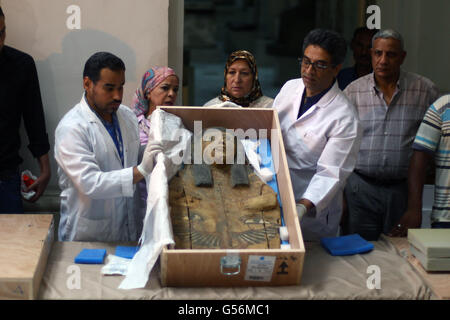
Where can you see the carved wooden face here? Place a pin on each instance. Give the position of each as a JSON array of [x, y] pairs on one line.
[[218, 147]]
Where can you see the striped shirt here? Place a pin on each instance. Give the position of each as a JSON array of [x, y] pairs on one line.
[[434, 137], [389, 131]]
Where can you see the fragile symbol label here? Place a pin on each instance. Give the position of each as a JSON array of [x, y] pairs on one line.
[[282, 268], [260, 268], [19, 290]]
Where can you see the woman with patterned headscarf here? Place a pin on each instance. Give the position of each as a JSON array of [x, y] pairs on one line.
[[159, 87], [241, 84]]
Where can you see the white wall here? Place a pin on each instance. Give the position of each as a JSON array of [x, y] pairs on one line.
[[426, 31], [135, 30]]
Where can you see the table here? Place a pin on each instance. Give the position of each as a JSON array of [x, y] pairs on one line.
[[324, 277]]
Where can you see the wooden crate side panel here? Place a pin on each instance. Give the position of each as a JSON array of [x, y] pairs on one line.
[[239, 118], [16, 289], [285, 190], [163, 266], [197, 268], [42, 264]]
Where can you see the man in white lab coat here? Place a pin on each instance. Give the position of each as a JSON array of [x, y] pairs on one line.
[[321, 133], [97, 150]]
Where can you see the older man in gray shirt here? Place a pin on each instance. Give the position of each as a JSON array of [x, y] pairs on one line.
[[391, 104]]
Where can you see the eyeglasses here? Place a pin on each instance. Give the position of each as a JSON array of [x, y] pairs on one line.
[[318, 65]]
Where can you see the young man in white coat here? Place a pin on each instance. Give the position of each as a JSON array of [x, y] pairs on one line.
[[97, 150], [321, 134]]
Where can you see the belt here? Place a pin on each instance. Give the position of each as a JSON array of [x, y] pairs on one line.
[[381, 181]]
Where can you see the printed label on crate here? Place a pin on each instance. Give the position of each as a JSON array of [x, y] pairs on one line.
[[260, 268]]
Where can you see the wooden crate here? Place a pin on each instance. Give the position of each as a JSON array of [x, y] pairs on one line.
[[258, 267], [25, 242]]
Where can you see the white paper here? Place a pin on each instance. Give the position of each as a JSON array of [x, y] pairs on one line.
[[260, 268], [115, 265]]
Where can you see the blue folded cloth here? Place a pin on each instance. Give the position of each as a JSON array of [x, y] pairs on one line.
[[346, 245], [126, 252], [91, 256]]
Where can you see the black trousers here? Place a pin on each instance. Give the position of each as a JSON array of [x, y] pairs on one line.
[[374, 206], [10, 196]]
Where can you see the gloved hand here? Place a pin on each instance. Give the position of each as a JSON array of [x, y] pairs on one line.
[[301, 211], [148, 160]]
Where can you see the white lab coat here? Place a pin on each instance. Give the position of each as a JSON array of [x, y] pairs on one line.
[[98, 198], [321, 149]]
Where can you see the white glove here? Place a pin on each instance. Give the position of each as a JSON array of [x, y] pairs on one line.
[[148, 160], [301, 211]]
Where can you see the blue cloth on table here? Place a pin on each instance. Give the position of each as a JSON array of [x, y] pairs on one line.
[[126, 252], [346, 245], [91, 256]]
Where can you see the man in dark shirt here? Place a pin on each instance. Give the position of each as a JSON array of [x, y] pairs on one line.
[[360, 45], [20, 97]]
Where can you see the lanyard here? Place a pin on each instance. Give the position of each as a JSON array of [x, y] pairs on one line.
[[115, 133], [118, 139], [113, 130]]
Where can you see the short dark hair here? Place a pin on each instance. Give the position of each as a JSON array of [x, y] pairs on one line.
[[99, 61], [1, 12], [330, 41], [359, 30]]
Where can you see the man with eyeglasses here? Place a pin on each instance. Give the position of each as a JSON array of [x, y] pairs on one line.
[[391, 105], [20, 97], [321, 134]]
